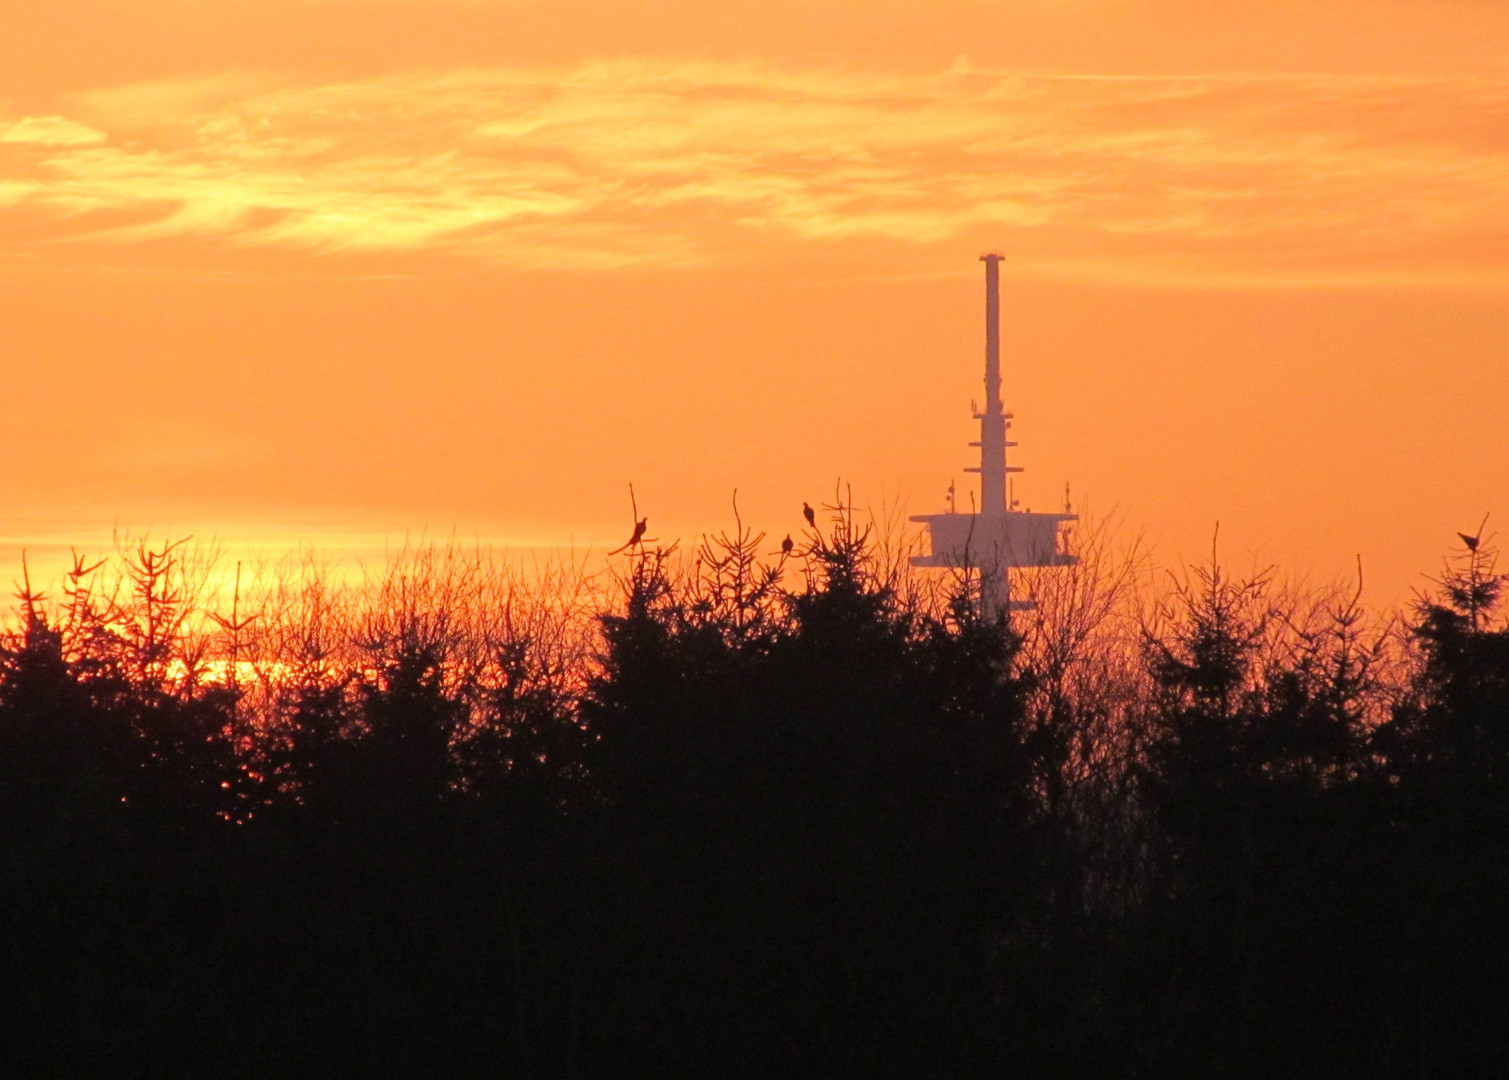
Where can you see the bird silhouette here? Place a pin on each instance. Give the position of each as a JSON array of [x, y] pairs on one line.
[[787, 545], [639, 529], [809, 515], [1470, 541]]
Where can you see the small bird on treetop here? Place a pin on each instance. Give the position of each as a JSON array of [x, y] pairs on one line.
[[787, 545], [1470, 541], [639, 529], [809, 515]]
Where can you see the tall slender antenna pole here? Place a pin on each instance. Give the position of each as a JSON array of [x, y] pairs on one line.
[[993, 419], [995, 578]]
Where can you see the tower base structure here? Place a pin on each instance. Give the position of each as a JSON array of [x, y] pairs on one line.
[[993, 545], [995, 541]]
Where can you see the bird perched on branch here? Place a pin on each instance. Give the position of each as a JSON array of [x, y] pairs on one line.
[[639, 529], [1470, 541], [809, 515], [787, 545]]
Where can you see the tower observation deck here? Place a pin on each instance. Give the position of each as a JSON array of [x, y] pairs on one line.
[[998, 537]]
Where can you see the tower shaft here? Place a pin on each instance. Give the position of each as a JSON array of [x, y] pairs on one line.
[[993, 421]]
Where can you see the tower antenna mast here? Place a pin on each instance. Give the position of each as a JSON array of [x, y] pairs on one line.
[[994, 421]]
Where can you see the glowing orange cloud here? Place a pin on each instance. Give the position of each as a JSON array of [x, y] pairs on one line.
[[1244, 179]]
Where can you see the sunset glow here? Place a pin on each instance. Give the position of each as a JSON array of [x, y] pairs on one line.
[[335, 273], [797, 538]]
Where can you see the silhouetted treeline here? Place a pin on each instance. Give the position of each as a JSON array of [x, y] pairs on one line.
[[749, 814]]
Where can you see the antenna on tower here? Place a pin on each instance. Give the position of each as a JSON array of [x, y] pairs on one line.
[[993, 420]]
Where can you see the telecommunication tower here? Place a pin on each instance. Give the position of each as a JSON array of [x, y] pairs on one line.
[[996, 537]]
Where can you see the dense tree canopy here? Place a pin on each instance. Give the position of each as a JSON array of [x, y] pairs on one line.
[[749, 814]]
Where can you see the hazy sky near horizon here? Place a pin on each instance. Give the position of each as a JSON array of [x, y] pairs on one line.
[[330, 271]]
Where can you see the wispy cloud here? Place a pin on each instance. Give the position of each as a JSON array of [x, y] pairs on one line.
[[676, 162], [50, 131]]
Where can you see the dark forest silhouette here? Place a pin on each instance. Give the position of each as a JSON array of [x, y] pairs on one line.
[[752, 813]]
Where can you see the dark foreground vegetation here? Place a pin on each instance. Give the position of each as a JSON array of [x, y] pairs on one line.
[[752, 815]]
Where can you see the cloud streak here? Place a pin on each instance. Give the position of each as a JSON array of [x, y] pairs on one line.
[[671, 163], [50, 131]]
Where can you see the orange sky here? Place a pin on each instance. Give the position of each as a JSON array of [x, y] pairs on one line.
[[335, 270]]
